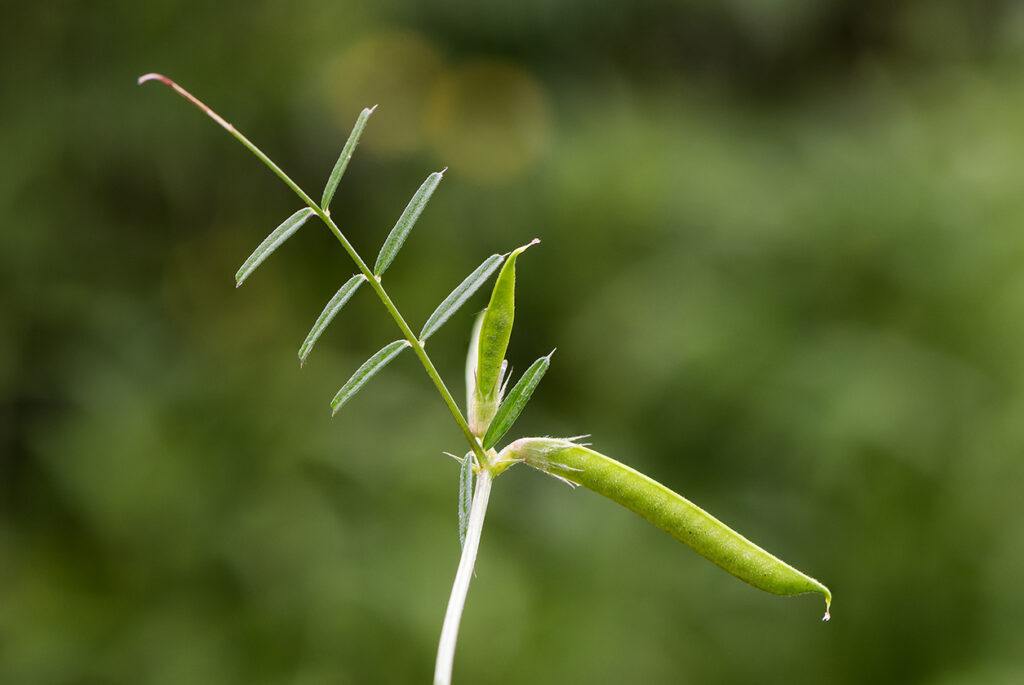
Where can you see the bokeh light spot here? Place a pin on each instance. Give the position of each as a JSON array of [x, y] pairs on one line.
[[394, 69], [488, 120]]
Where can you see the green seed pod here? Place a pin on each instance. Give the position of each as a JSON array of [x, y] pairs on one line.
[[667, 510], [495, 331]]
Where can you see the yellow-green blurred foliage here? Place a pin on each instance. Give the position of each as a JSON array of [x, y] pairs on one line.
[[783, 263]]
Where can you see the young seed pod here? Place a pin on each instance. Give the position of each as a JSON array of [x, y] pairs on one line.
[[667, 510], [495, 331]]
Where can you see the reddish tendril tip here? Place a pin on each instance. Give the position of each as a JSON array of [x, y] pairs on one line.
[[145, 78]]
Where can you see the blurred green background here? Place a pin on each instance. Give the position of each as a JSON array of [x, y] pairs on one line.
[[783, 264]]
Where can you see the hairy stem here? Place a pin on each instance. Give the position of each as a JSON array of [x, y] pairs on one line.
[[460, 588], [325, 216]]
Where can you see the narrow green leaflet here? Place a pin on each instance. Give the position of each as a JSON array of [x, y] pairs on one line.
[[400, 232], [516, 401], [346, 155], [365, 372], [327, 315], [496, 328], [668, 510], [271, 243], [465, 495], [463, 291]]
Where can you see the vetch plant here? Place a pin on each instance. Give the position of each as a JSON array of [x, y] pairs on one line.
[[491, 411]]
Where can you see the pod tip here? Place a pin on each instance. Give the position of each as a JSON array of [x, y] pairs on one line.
[[371, 110]]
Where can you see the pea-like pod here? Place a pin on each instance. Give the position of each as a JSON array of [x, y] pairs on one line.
[[495, 332], [667, 510]]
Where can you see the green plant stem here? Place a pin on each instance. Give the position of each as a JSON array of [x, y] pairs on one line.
[[374, 281], [460, 588]]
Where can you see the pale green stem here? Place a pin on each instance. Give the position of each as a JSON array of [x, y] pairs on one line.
[[325, 216], [460, 588]]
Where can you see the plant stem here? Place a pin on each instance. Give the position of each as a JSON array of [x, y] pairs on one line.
[[374, 281], [453, 615]]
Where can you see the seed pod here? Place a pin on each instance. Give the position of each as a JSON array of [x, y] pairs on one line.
[[271, 243], [496, 329], [667, 510]]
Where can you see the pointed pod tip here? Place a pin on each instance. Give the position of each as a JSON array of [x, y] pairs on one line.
[[442, 171], [523, 248], [548, 357], [371, 110]]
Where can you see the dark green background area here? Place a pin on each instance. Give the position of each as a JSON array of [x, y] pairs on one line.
[[782, 263]]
